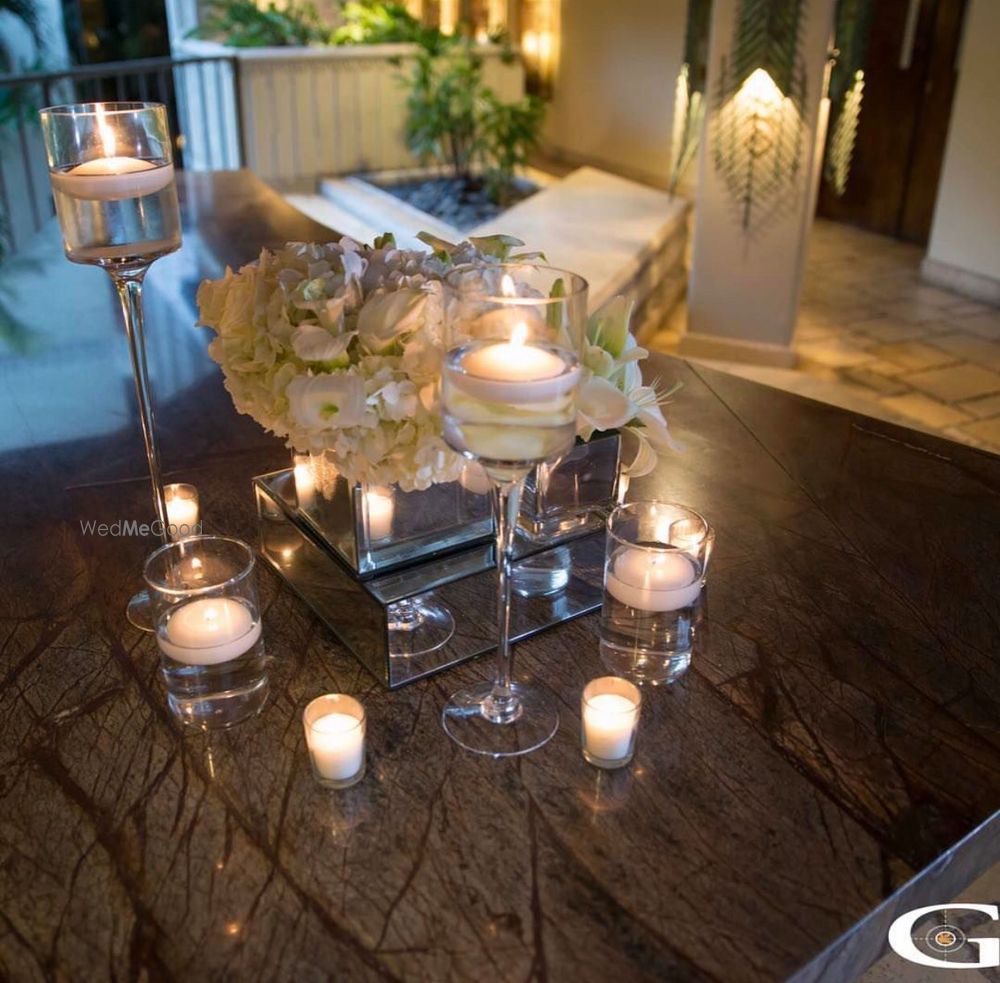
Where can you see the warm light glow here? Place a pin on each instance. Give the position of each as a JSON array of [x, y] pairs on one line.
[[507, 286], [520, 334], [108, 141], [759, 94], [448, 18], [540, 42]]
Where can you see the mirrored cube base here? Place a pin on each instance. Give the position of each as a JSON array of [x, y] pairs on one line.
[[459, 585]]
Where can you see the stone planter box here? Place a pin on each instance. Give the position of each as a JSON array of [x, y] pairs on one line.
[[312, 111]]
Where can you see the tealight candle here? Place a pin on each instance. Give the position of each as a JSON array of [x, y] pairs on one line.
[[335, 736], [182, 509], [381, 507], [609, 717], [653, 580], [305, 483], [208, 631]]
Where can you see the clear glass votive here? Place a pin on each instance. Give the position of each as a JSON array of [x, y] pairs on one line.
[[655, 565], [183, 510], [335, 735], [609, 719], [208, 628]]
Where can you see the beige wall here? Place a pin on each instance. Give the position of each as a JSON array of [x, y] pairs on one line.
[[966, 230], [614, 92]]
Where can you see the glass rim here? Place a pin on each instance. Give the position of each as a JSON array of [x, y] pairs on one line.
[[619, 682], [212, 588], [357, 709], [631, 507], [579, 285], [91, 108]]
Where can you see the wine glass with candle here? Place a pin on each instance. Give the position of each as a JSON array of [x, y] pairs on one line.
[[514, 335], [112, 177]]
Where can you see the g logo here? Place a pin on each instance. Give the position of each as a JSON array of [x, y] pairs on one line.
[[943, 938]]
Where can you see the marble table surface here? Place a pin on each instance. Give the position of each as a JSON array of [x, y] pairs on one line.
[[832, 757]]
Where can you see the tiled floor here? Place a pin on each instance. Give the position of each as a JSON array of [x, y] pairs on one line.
[[873, 337]]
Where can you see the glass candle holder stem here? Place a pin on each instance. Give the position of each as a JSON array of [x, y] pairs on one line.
[[503, 705], [128, 284]]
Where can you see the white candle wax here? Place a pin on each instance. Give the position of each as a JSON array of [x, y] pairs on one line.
[[182, 514], [113, 178], [513, 372], [337, 745], [305, 485], [609, 721], [509, 362], [208, 631], [653, 580], [380, 507]]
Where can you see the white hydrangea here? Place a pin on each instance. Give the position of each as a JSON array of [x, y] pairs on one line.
[[337, 348]]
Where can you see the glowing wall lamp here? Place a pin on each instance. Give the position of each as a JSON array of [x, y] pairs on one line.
[[540, 45]]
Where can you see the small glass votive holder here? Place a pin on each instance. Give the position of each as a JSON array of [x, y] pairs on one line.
[[609, 719], [206, 616], [656, 562], [183, 510], [334, 725]]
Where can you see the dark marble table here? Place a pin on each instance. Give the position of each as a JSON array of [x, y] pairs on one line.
[[838, 737]]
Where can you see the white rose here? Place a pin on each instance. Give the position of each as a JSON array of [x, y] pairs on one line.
[[315, 344], [327, 401], [386, 316]]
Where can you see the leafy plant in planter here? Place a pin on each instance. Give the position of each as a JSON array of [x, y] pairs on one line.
[[453, 117], [242, 24], [368, 22]]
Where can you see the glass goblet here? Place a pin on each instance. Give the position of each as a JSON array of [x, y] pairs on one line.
[[112, 175], [513, 339]]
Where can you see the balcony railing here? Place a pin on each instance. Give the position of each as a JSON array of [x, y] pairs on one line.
[[209, 83]]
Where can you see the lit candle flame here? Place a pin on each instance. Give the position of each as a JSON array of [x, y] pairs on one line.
[[507, 286], [520, 334], [108, 140]]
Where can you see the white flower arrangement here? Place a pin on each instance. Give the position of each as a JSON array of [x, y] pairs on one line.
[[337, 347]]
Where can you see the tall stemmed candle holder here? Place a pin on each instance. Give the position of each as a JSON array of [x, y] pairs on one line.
[[513, 339], [112, 177]]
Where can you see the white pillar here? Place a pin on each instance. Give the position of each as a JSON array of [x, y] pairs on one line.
[[751, 228]]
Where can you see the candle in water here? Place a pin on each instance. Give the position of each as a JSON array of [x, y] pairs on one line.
[[513, 361], [514, 372], [653, 580], [610, 715], [208, 631], [381, 507], [113, 178]]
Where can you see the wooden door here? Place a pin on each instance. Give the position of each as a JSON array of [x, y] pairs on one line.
[[909, 83]]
